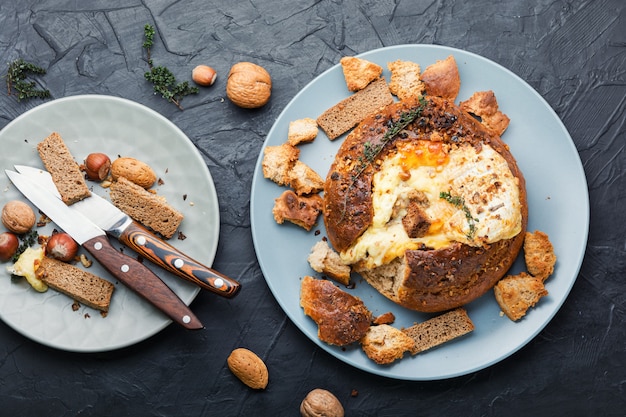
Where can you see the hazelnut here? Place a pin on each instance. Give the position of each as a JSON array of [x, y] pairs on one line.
[[249, 85], [18, 217], [203, 75], [61, 246], [8, 245], [97, 166], [320, 402]]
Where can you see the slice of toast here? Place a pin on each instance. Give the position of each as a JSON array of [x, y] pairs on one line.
[[439, 329], [145, 207], [349, 112], [81, 285], [65, 171]]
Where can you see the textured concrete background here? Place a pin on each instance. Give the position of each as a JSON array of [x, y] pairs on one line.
[[572, 52]]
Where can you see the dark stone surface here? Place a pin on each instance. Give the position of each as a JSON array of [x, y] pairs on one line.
[[572, 52]]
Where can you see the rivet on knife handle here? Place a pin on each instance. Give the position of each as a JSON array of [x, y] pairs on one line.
[[142, 280], [166, 256]]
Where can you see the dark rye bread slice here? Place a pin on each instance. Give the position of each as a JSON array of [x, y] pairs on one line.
[[82, 286], [65, 171], [145, 207], [439, 329], [349, 112]]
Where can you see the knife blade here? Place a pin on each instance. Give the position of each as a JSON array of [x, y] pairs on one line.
[[122, 227], [127, 270]]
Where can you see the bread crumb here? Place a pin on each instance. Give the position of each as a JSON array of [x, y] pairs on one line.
[[278, 162], [300, 210], [385, 344], [304, 180], [484, 105], [515, 294], [302, 131], [442, 79], [359, 72], [539, 254], [325, 260], [405, 79]]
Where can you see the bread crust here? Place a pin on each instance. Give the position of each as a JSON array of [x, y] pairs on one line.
[[426, 280]]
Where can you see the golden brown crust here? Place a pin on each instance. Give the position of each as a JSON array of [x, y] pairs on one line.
[[300, 210], [484, 105], [515, 294], [442, 79], [539, 254], [426, 280], [341, 317], [359, 72]]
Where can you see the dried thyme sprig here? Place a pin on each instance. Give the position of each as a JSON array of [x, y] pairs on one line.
[[163, 79], [16, 80], [458, 201], [371, 152]]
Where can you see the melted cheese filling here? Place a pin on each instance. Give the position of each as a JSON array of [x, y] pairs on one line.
[[480, 201]]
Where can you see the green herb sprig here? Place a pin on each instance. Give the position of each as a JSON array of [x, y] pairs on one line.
[[371, 152], [28, 239], [458, 202], [163, 79], [17, 85]]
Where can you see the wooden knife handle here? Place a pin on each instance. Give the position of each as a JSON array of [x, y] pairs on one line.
[[141, 280], [145, 243]]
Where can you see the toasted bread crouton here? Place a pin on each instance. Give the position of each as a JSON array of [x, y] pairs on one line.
[[325, 260], [484, 105], [385, 318], [442, 79], [302, 131], [384, 344], [439, 329], [302, 211], [304, 180], [341, 317], [515, 294], [278, 162], [539, 254], [405, 79], [359, 72]]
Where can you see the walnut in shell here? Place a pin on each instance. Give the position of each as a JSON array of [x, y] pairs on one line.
[[249, 85]]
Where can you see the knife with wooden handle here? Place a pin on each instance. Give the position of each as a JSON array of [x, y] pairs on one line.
[[119, 225], [127, 270]]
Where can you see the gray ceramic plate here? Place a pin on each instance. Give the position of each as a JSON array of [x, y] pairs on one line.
[[114, 126], [555, 182]]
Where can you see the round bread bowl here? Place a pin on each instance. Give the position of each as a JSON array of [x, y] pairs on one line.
[[423, 279]]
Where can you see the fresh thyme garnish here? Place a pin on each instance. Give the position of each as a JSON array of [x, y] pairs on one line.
[[371, 152], [16, 80], [163, 79], [28, 240], [458, 201]]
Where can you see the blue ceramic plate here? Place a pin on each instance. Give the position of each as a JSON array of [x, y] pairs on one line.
[[555, 184]]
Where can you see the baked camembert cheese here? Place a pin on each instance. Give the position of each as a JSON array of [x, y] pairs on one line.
[[467, 196]]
